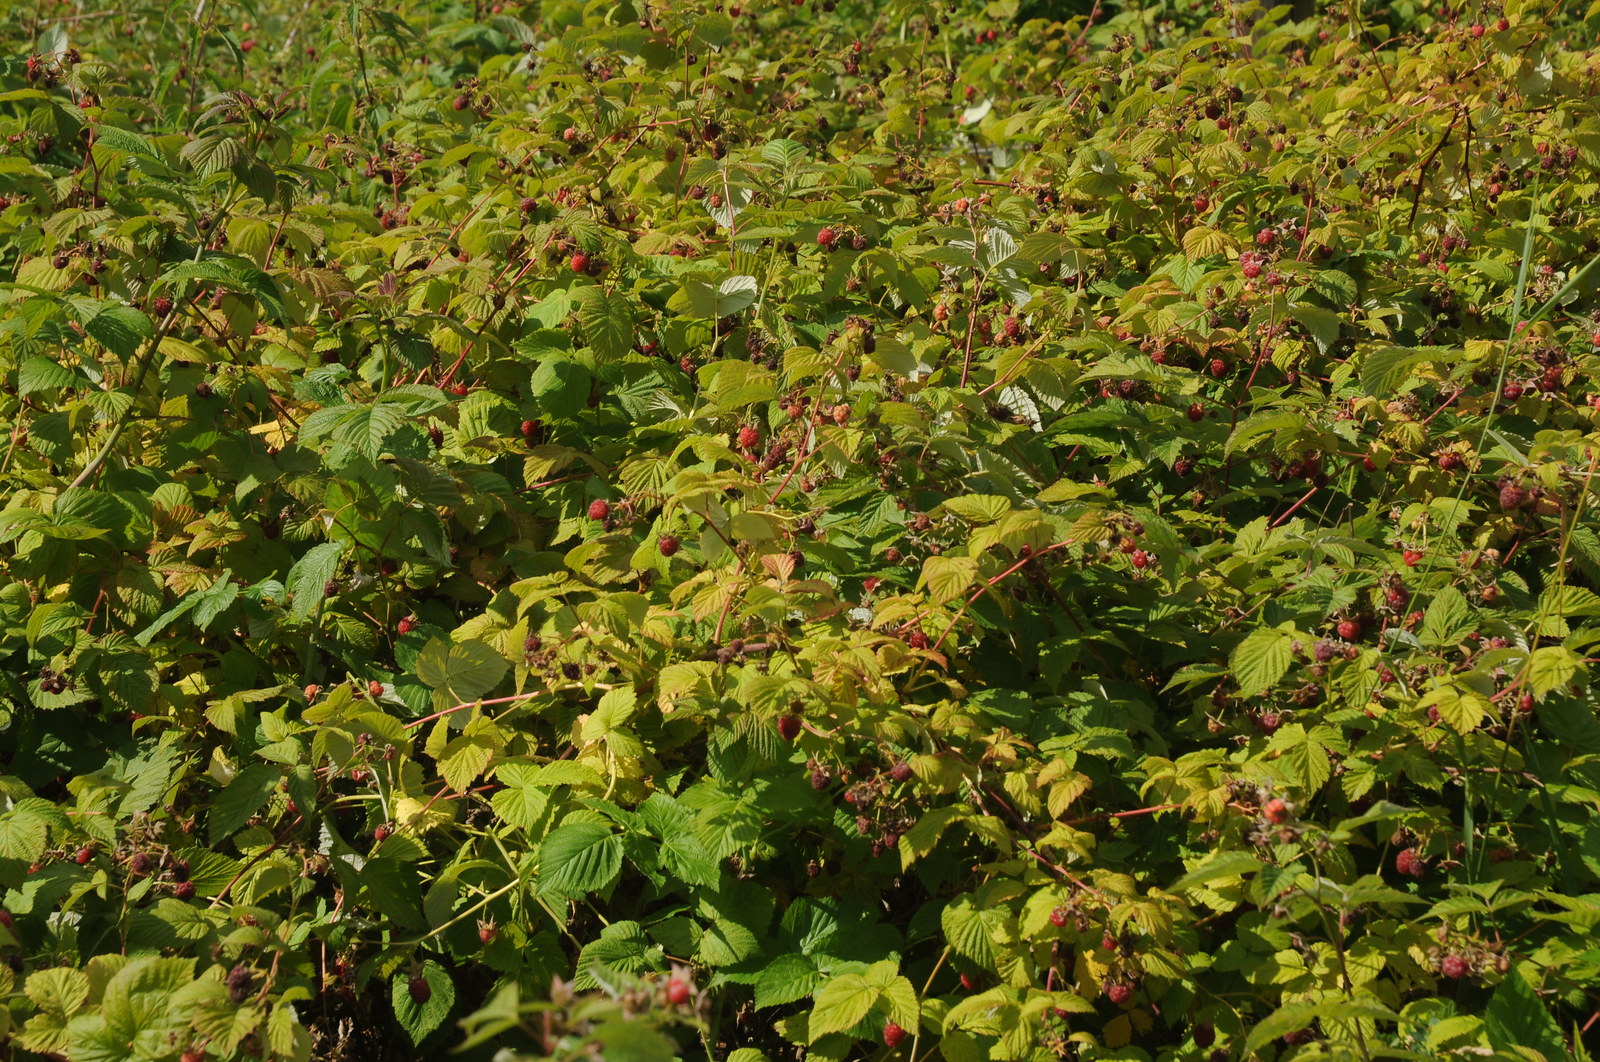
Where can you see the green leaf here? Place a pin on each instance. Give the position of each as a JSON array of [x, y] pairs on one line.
[[1517, 1018], [1261, 660], [578, 858], [462, 673], [560, 386], [45, 374], [1447, 620], [241, 798], [309, 577], [607, 320], [840, 1005], [433, 983], [120, 329]]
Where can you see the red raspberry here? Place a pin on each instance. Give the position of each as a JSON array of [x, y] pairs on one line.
[[893, 1034], [1349, 630], [1455, 967], [381, 832], [1012, 327], [1201, 204], [1196, 412], [826, 237], [1058, 917], [530, 428], [375, 688], [1477, 31], [184, 890], [1406, 861], [918, 640], [599, 509], [1140, 558], [1251, 270], [1276, 811], [1411, 557], [1512, 497], [406, 625], [579, 262], [749, 437], [677, 992], [788, 727], [1119, 993], [667, 545], [421, 991]]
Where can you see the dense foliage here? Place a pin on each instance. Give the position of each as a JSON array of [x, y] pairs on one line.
[[779, 530]]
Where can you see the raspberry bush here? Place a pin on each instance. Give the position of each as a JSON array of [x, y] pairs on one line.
[[797, 530]]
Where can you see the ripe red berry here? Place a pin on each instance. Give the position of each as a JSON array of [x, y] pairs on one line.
[[247, 45], [599, 509], [892, 1034], [1477, 31], [1196, 412], [918, 640], [162, 306], [1503, 25], [1058, 917], [487, 930], [1411, 557], [901, 771], [969, 982], [1455, 967], [1397, 597], [381, 832], [1219, 368], [579, 262], [1276, 811], [677, 992], [1349, 630], [1201, 204], [1449, 462], [530, 428], [1406, 861], [1012, 327], [459, 389], [1251, 269], [667, 545], [1140, 558], [788, 727], [1119, 993], [421, 991], [569, 134], [1265, 236], [1513, 497], [374, 688], [749, 437], [84, 854], [826, 237], [184, 890], [1268, 722], [406, 625], [1511, 392]]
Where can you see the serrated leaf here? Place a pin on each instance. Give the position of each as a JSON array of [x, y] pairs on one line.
[[578, 858], [1261, 660]]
